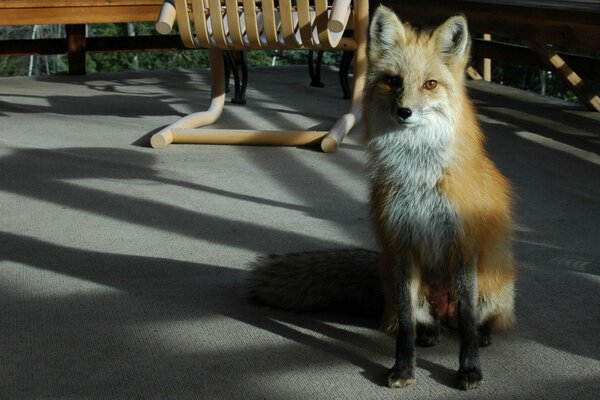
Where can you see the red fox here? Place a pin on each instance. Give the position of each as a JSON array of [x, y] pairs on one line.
[[441, 209]]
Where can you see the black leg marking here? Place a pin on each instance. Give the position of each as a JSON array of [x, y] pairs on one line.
[[428, 335], [485, 334], [403, 372], [469, 373]]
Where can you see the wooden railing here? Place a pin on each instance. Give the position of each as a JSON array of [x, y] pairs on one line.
[[541, 27], [75, 14]]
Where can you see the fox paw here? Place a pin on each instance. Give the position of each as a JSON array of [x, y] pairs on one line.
[[399, 378], [468, 379]]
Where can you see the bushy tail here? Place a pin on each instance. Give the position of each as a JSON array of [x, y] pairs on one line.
[[329, 280]]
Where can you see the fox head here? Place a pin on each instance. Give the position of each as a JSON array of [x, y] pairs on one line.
[[414, 79]]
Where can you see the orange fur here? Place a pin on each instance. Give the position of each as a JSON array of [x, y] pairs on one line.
[[476, 190]]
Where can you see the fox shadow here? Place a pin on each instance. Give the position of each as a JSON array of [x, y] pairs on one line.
[[169, 290]]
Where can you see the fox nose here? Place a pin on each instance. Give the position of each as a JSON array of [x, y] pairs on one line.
[[404, 112]]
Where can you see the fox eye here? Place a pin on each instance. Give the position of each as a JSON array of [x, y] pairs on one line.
[[392, 81], [430, 84]]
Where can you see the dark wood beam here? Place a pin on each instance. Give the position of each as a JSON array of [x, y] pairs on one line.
[[586, 66], [566, 28]]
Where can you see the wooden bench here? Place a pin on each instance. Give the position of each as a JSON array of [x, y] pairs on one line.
[[75, 14]]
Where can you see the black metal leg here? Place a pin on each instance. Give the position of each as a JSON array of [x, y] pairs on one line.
[[315, 70], [237, 63], [240, 92], [228, 65], [347, 57]]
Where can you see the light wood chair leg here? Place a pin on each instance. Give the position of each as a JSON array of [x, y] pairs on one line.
[[343, 125], [166, 136], [340, 129], [184, 130]]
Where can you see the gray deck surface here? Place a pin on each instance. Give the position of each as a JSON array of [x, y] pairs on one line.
[[122, 267]]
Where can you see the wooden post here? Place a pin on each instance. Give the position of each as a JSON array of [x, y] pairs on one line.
[[481, 64], [76, 48], [487, 62], [556, 63]]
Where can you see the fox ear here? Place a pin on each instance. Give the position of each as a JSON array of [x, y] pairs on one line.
[[453, 41], [385, 32]]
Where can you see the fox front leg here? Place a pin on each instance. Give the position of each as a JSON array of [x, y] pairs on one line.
[[469, 373], [403, 372]]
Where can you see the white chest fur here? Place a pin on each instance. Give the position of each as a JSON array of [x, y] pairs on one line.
[[407, 164]]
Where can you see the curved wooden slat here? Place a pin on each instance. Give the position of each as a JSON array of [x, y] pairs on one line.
[[183, 22], [304, 22], [199, 13], [250, 19], [233, 20], [321, 21], [287, 24], [269, 23], [216, 23]]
